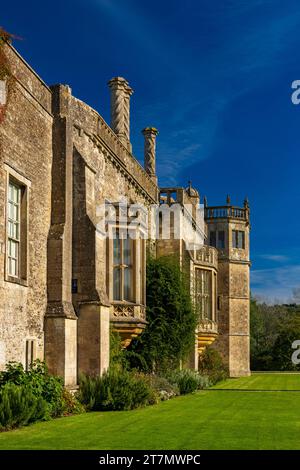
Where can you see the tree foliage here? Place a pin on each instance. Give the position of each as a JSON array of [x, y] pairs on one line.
[[273, 330]]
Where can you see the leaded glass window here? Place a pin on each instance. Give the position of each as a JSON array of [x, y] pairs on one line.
[[14, 229], [203, 293], [122, 268]]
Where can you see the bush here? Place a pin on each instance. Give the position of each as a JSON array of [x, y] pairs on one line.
[[121, 390], [42, 385], [117, 359], [164, 389], [211, 365], [188, 381], [71, 406], [39, 381], [19, 406], [217, 376]]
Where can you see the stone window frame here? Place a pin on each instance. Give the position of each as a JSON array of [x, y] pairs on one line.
[[236, 241], [24, 183], [30, 352], [217, 241], [14, 203], [123, 266], [213, 292], [138, 266]]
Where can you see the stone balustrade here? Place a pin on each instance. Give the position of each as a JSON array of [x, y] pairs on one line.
[[227, 212]]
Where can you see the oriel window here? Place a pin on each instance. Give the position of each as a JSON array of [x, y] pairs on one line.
[[203, 293], [122, 268]]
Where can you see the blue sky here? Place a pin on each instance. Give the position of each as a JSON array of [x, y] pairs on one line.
[[215, 78]]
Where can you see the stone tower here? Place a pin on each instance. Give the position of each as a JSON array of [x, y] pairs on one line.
[[228, 231]]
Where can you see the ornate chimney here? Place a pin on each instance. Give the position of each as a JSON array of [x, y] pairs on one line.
[[120, 109], [150, 134]]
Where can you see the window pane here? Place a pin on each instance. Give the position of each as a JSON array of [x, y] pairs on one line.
[[16, 212], [241, 240], [212, 239], [13, 267], [117, 254], [10, 210], [127, 284], [13, 249], [10, 229], [16, 231], [234, 239], [221, 239], [127, 251], [17, 194], [117, 283], [10, 192], [203, 293]]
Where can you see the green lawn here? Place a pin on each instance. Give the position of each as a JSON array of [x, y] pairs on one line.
[[212, 419], [263, 381]]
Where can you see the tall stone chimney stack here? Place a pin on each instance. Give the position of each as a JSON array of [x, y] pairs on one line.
[[120, 109], [150, 134]]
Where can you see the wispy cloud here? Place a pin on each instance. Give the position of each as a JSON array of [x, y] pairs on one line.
[[173, 161], [254, 52], [276, 258], [277, 285], [199, 85]]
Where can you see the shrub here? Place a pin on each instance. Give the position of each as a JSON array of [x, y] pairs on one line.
[[211, 364], [89, 388], [164, 389], [39, 381], [116, 390], [70, 404], [117, 359], [43, 386], [188, 381], [19, 406]]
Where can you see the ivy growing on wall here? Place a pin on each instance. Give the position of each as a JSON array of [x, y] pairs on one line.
[[169, 336]]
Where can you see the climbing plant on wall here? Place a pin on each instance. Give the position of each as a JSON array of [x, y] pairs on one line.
[[170, 334]]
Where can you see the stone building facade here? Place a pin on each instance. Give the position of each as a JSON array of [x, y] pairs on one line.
[[62, 282]]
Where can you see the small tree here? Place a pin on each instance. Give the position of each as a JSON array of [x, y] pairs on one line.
[[170, 333]]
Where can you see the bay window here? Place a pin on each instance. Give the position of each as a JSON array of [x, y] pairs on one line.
[[126, 266], [203, 293], [122, 268]]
